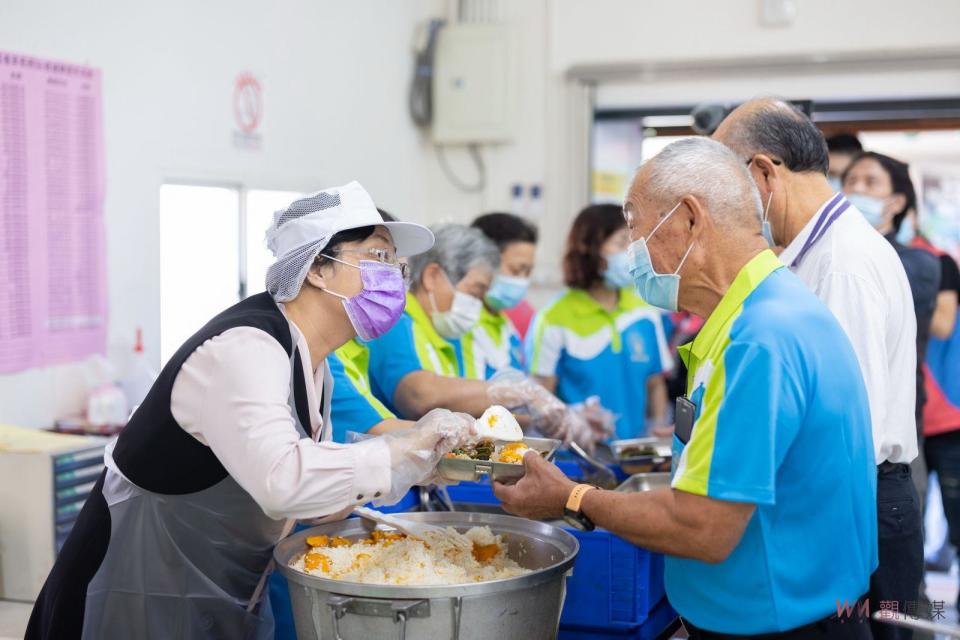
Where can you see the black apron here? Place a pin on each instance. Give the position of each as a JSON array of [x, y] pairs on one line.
[[169, 545]]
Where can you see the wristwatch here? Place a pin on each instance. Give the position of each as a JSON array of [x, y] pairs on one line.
[[572, 513]]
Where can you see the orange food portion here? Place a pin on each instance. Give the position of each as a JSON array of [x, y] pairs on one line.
[[339, 541], [484, 552], [385, 536], [317, 560], [318, 541]]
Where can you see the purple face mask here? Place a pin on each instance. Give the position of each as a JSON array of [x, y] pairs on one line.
[[380, 303]]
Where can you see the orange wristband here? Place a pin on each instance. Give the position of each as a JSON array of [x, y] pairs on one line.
[[576, 496]]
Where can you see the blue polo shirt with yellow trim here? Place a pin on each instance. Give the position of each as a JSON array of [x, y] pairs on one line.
[[782, 422], [491, 346], [412, 344], [596, 352], [354, 407]]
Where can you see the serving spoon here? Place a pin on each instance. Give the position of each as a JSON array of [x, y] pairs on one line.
[[413, 529]]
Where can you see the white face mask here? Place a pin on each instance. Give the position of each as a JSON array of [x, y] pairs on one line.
[[463, 315]]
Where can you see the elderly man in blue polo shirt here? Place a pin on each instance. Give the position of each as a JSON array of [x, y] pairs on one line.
[[770, 523]]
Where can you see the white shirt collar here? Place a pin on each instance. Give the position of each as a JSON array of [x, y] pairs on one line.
[[322, 381], [793, 249]]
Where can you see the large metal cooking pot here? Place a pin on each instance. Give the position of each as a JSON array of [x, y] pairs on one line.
[[526, 607]]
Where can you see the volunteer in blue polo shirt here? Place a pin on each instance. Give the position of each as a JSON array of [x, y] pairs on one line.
[[770, 523], [599, 338], [355, 407], [494, 344], [414, 366]]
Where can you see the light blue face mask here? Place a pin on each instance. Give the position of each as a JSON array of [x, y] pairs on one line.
[[869, 206], [835, 183], [907, 233], [659, 289], [506, 292], [617, 273]]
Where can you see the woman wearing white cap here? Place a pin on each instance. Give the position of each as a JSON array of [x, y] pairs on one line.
[[232, 440]]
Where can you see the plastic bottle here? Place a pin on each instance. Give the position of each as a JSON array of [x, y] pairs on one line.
[[140, 375], [106, 404]]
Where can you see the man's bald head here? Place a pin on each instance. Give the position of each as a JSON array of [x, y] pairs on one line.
[[777, 129], [702, 168]]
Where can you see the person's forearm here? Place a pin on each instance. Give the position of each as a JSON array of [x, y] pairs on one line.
[[652, 520], [390, 424], [944, 315], [548, 382], [427, 391], [656, 397]]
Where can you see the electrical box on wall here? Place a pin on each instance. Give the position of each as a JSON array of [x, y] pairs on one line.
[[472, 84]]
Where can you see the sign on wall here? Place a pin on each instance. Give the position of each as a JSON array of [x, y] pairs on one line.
[[247, 111], [53, 298]]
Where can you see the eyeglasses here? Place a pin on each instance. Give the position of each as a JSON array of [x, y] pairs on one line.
[[383, 256]]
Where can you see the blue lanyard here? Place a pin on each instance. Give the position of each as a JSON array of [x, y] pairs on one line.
[[831, 212]]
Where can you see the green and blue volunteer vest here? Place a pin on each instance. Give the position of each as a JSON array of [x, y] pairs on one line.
[[782, 422], [492, 345], [412, 344], [596, 352], [353, 405]]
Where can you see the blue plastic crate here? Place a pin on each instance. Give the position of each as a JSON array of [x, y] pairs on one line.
[[658, 621], [472, 493], [614, 587], [574, 471]]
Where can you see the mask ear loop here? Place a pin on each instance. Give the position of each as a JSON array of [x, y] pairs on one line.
[[662, 220], [433, 301], [333, 293], [683, 259], [766, 210]]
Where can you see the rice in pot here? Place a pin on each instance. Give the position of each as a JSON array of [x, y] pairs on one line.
[[391, 558]]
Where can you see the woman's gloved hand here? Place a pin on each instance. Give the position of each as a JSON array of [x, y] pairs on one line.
[[602, 421], [414, 453], [513, 390], [580, 430]]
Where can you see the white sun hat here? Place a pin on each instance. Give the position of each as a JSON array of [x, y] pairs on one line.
[[304, 228]]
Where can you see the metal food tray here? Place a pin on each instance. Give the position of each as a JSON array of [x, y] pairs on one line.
[[640, 482], [659, 461], [474, 470]]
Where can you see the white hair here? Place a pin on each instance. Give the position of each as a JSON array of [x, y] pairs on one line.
[[710, 171], [457, 249]]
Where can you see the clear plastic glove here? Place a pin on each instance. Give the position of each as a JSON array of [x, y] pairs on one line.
[[580, 430], [414, 453], [602, 421], [513, 390]]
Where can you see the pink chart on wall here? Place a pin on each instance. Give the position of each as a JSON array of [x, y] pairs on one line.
[[53, 298]]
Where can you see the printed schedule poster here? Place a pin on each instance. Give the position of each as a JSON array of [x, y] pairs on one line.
[[53, 305]]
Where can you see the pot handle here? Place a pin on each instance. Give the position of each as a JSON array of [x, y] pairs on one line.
[[399, 610]]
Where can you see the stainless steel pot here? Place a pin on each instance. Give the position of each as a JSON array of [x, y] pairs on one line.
[[526, 607], [640, 482]]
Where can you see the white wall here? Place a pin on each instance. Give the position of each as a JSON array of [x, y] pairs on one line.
[[609, 32], [335, 78]]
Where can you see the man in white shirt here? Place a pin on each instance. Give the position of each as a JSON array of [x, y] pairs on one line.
[[856, 272]]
